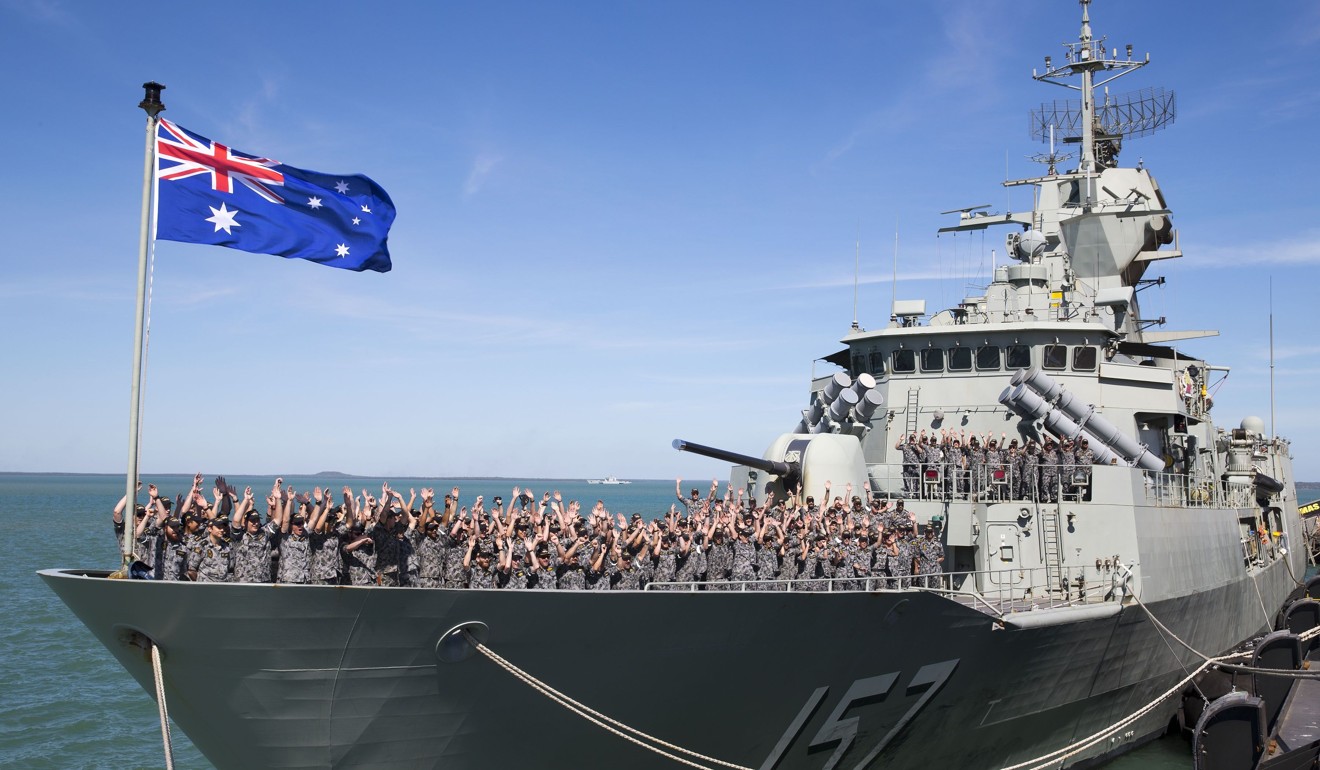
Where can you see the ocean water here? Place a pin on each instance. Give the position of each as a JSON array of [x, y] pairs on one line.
[[65, 703]]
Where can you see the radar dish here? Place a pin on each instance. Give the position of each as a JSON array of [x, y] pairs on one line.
[[1139, 113]]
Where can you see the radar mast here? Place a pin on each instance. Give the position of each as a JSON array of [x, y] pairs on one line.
[[1098, 129]]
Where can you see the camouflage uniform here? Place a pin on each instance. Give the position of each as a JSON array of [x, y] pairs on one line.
[[147, 545], [719, 565], [546, 577], [929, 553], [666, 568], [479, 577], [387, 556], [542, 579], [1030, 474], [571, 576], [518, 572], [599, 580], [172, 561], [454, 575], [744, 563], [955, 478], [213, 563], [976, 467], [1067, 465], [934, 462], [626, 578], [252, 554], [911, 468], [1085, 459], [407, 559], [295, 559], [1049, 475], [431, 549], [809, 572], [1016, 461], [841, 569], [900, 564], [688, 567], [862, 560], [361, 563], [327, 560], [996, 474], [767, 567]]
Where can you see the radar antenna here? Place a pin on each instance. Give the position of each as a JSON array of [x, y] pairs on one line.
[[1052, 158], [1098, 128]]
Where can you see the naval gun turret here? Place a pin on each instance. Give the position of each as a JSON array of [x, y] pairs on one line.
[[793, 460]]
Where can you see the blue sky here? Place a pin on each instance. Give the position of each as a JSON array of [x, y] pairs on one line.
[[618, 222]]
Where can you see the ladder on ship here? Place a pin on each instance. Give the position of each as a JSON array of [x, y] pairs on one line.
[[914, 396], [1052, 542]]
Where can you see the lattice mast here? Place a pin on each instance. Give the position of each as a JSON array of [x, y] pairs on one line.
[[1098, 129]]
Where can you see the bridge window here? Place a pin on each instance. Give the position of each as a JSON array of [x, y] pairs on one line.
[[858, 363], [932, 359], [1084, 359], [960, 359], [1019, 357], [905, 361], [878, 363], [988, 359], [1056, 357]]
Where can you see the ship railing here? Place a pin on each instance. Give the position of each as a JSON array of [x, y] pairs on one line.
[[995, 592], [991, 481], [1181, 490]]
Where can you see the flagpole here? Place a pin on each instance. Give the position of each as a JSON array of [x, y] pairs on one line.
[[152, 104]]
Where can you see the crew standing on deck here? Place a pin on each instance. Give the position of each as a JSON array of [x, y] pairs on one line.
[[212, 558], [930, 555]]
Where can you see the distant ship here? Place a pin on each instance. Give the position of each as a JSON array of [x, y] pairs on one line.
[[1034, 640], [607, 480]]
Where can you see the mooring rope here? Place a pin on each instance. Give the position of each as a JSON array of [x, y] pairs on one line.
[[597, 718], [160, 704], [1052, 759], [1059, 756]]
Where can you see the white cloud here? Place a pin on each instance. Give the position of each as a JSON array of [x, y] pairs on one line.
[[960, 65], [1297, 250], [482, 166]]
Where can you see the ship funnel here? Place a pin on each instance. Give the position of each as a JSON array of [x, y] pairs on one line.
[[868, 405]]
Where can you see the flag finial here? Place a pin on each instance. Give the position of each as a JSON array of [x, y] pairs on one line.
[[151, 102]]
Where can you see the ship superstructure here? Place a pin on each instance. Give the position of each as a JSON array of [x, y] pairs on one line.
[[1040, 632], [1055, 347]]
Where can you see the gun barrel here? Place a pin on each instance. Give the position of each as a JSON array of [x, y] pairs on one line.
[[769, 466]]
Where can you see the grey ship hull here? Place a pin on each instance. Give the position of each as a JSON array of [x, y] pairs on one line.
[[320, 676]]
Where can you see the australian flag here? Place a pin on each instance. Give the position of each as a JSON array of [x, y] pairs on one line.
[[209, 193]]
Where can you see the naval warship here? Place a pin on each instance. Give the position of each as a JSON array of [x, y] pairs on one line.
[[1041, 631]]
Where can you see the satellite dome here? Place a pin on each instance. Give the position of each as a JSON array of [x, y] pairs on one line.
[[1030, 244], [1254, 425]]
